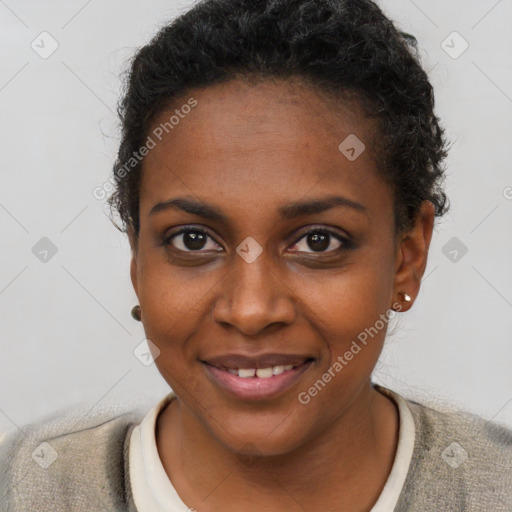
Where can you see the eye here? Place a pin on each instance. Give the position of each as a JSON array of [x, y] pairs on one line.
[[189, 239], [320, 239]]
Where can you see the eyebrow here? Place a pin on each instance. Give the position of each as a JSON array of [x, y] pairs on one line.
[[286, 212]]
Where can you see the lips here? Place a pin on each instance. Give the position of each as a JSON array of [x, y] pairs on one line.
[[259, 377]]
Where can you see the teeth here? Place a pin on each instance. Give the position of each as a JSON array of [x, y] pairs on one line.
[[249, 372], [262, 373], [276, 370]]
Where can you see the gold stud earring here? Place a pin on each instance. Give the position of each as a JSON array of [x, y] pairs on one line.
[[405, 296], [136, 313]]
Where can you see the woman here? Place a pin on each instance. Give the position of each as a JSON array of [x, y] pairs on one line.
[[278, 178]]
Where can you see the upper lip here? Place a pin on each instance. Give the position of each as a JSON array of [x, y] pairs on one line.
[[236, 361]]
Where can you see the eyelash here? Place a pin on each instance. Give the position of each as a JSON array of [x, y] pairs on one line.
[[346, 243]]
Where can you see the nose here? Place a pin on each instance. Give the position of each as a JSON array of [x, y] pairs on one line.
[[254, 296]]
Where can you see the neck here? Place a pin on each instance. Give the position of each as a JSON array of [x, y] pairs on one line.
[[348, 463]]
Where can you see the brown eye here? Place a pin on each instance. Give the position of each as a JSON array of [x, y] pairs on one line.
[[320, 240], [191, 240]]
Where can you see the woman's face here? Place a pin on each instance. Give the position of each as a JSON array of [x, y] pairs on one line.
[[246, 287]]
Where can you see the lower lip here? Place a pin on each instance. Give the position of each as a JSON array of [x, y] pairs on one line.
[[256, 388]]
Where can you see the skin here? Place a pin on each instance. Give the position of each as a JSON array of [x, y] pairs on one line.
[[248, 150]]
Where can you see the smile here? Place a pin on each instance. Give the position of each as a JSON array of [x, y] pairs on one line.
[[257, 381]]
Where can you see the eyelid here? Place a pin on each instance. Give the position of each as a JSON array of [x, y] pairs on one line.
[[323, 228]]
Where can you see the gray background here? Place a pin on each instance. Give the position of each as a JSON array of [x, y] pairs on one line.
[[67, 336]]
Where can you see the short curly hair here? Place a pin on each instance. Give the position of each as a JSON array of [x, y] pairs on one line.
[[337, 46]]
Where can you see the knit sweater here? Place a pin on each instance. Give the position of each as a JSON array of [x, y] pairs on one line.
[[80, 462]]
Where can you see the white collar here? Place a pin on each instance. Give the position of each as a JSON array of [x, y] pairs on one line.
[[153, 491]]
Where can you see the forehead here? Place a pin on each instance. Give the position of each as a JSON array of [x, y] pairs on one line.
[[260, 144], [250, 111]]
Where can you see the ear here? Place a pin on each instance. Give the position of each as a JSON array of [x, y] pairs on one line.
[[133, 263], [133, 273], [412, 254]]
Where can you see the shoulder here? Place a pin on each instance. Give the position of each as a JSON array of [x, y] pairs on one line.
[[460, 433], [461, 461], [74, 459]]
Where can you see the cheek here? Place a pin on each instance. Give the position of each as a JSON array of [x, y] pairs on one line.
[[350, 311], [170, 303], [170, 295], [353, 328]]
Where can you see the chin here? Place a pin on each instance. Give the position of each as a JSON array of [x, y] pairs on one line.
[[272, 436]]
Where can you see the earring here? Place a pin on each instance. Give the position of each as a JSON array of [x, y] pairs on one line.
[[136, 313], [402, 296], [405, 296]]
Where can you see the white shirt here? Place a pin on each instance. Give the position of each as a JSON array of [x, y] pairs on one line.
[[154, 492]]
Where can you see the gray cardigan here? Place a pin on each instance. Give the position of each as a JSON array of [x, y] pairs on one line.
[[460, 463]]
